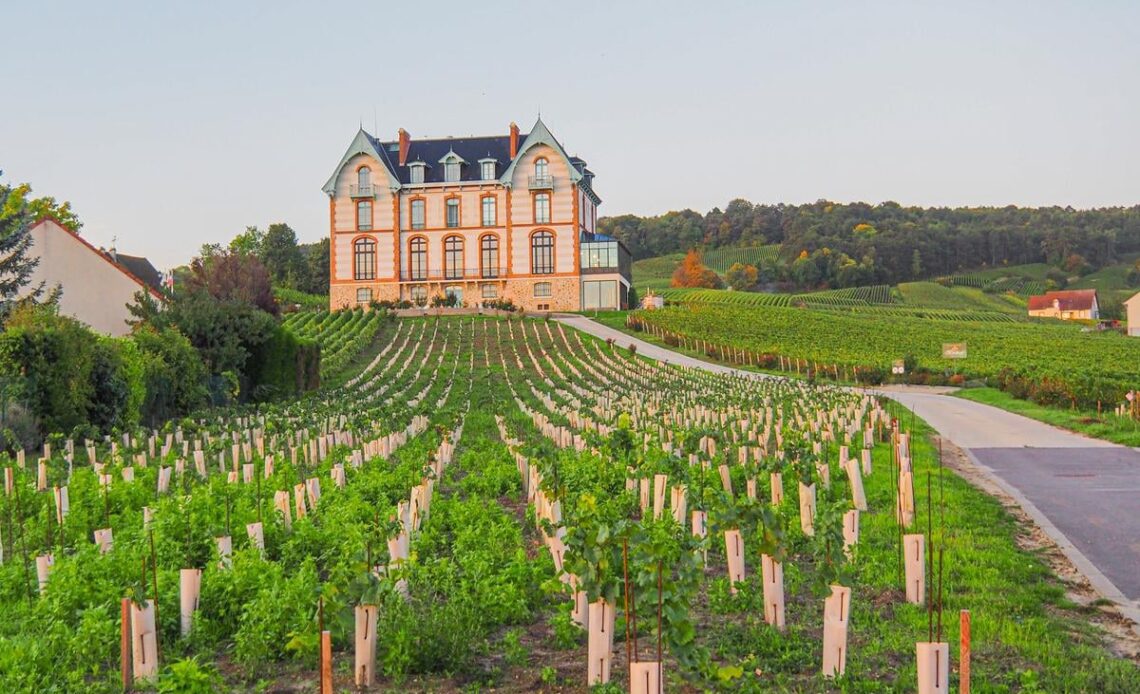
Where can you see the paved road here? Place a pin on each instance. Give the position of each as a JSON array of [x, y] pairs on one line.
[[1083, 492]]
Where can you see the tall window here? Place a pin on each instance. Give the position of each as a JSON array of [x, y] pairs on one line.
[[417, 258], [364, 259], [542, 253], [417, 214], [488, 170], [542, 208], [363, 180], [541, 170], [453, 258], [417, 173], [489, 211], [364, 215], [452, 213], [451, 170], [489, 255]]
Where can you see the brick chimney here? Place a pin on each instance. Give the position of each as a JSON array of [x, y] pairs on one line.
[[405, 141], [514, 140]]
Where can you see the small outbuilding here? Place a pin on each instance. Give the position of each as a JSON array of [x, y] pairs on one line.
[[1073, 304]]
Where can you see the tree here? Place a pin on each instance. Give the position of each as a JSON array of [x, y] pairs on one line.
[[234, 277], [916, 265], [249, 242], [317, 267], [282, 256], [47, 208], [16, 265], [742, 277], [693, 273]]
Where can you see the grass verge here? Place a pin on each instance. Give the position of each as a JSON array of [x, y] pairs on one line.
[[1105, 425]]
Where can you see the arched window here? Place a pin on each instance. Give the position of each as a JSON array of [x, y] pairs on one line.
[[542, 253], [541, 171], [364, 259], [453, 258], [363, 180], [417, 258], [489, 255]]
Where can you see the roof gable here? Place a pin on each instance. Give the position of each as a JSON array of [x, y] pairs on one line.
[[144, 285], [541, 135], [363, 143]]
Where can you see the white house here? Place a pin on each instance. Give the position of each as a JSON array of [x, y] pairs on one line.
[[97, 285], [1132, 315]]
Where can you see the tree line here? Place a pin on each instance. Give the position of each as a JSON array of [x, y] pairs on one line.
[[851, 244]]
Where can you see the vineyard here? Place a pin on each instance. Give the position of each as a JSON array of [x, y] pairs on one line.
[[341, 334], [876, 300], [508, 504], [1049, 363]]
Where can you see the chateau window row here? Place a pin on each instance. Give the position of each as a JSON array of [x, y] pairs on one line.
[[488, 209], [487, 170], [418, 268]]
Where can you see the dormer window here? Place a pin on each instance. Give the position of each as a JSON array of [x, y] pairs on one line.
[[487, 169], [451, 163], [417, 171]]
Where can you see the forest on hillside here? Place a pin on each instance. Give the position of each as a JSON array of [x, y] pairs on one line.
[[852, 244]]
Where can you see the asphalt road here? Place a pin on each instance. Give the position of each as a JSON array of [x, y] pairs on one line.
[[1083, 492]]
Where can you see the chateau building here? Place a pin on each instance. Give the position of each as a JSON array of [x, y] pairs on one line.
[[480, 218]]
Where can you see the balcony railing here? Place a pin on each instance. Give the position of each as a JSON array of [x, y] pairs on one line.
[[541, 182], [436, 274], [365, 191]]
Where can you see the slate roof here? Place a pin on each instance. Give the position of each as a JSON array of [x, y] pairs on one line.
[[1070, 300], [430, 152], [141, 268]]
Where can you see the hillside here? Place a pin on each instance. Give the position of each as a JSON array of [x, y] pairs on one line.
[[987, 290]]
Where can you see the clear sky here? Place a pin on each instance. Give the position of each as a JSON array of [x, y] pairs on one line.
[[169, 125]]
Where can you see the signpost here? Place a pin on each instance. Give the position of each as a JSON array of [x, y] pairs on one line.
[[899, 367], [954, 350]]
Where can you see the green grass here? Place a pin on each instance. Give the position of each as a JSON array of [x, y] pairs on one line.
[[1105, 425]]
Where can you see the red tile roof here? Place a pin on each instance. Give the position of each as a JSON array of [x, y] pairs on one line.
[[1071, 300]]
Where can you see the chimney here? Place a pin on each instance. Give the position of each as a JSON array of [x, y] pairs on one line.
[[514, 140], [405, 141]]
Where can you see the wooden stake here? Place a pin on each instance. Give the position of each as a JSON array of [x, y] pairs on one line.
[[964, 652], [125, 666], [326, 663]]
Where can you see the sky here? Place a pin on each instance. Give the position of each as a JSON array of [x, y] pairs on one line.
[[171, 125]]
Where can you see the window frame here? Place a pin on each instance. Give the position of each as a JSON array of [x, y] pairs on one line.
[[367, 299], [541, 168], [541, 219], [494, 210], [549, 290], [363, 178], [359, 205], [489, 246], [453, 250], [483, 168], [363, 251], [417, 173], [542, 249], [418, 255], [488, 290], [447, 212], [412, 205], [452, 171]]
